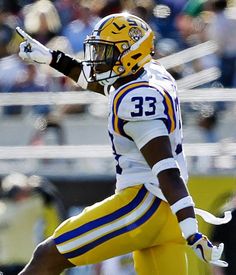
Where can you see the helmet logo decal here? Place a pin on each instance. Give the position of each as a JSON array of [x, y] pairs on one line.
[[119, 28], [135, 33]]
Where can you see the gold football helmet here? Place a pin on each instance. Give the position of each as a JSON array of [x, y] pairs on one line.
[[120, 45]]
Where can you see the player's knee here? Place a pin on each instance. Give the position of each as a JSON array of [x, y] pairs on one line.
[[44, 250], [40, 252], [47, 254]]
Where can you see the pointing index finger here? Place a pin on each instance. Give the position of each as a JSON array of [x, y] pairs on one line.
[[24, 35]]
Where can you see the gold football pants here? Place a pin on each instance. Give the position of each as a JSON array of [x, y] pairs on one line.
[[132, 220]]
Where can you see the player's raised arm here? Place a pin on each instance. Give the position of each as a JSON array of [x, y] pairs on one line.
[[32, 50]]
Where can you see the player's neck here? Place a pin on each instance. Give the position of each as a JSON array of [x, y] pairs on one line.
[[123, 80]]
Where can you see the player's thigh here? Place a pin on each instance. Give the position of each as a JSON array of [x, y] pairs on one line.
[[166, 259], [118, 225], [167, 255]]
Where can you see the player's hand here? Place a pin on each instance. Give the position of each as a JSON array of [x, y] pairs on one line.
[[33, 51], [206, 251]]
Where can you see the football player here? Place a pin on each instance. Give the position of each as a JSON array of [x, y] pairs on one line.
[[151, 213]]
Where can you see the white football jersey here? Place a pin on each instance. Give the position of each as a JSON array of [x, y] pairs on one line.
[[139, 111]]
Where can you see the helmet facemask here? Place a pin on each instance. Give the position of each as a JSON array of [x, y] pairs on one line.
[[101, 57]]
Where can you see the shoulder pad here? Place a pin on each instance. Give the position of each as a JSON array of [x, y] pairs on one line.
[[142, 101], [138, 101]]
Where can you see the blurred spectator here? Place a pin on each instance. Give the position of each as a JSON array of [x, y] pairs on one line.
[[42, 20], [66, 10], [77, 30], [194, 7], [226, 233], [108, 7], [166, 12], [12, 68], [27, 82], [144, 10], [10, 6], [222, 29], [30, 210], [6, 32], [190, 26]]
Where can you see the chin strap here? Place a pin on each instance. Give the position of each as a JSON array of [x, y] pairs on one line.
[[109, 81]]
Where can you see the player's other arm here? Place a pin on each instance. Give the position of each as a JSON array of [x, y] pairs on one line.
[[32, 50], [146, 126], [158, 155]]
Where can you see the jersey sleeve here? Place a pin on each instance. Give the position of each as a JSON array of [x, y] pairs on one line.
[[144, 131], [146, 103]]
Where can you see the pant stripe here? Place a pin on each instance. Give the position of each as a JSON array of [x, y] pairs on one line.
[[116, 233], [102, 220], [91, 236]]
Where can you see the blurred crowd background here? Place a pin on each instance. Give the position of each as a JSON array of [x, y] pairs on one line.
[[179, 25], [64, 24]]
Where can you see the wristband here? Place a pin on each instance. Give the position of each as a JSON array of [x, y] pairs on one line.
[[181, 204], [164, 164], [189, 227], [66, 64]]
